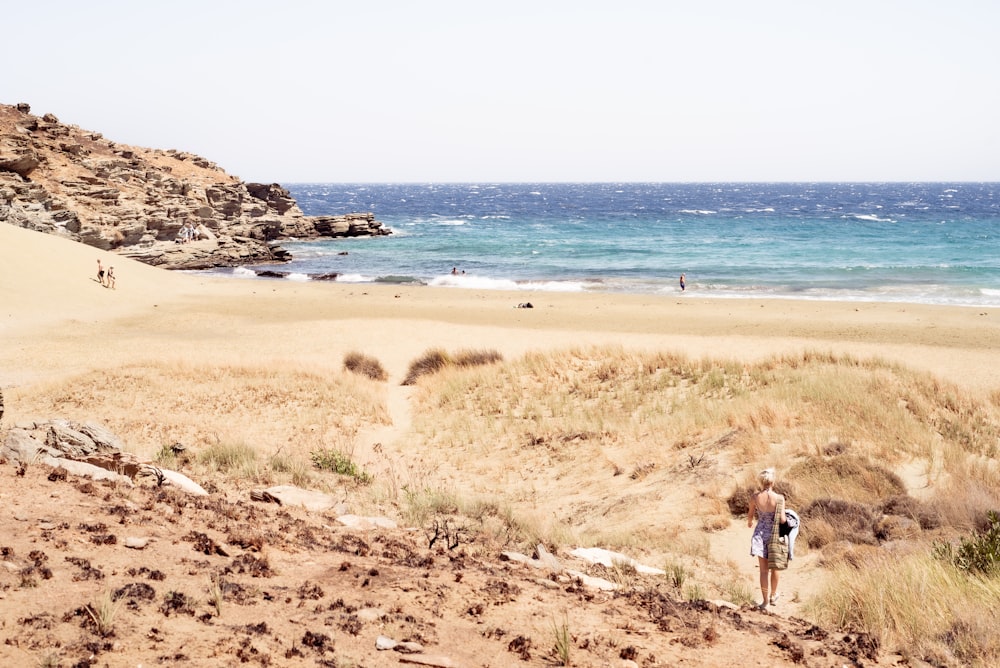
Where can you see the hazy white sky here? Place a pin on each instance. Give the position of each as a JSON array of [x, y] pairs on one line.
[[432, 90]]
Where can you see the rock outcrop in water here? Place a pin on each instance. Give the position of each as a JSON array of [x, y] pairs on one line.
[[60, 179]]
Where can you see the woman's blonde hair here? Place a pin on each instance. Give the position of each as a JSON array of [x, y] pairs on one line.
[[766, 477]]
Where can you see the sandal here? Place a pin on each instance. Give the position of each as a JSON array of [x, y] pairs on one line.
[[774, 599]]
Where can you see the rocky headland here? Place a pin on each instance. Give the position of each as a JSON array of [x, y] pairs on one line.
[[61, 179]]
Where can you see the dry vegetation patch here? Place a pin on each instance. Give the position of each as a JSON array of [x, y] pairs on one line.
[[604, 435], [234, 415]]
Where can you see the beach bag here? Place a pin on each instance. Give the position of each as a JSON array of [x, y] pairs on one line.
[[777, 547]]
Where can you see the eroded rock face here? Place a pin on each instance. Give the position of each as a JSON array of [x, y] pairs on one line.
[[60, 179]]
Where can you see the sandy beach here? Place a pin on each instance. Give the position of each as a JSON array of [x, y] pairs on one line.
[[57, 319], [61, 326]]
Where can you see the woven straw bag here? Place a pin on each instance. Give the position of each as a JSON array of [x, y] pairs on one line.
[[777, 547]]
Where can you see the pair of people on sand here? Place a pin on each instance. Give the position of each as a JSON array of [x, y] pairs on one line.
[[105, 278]]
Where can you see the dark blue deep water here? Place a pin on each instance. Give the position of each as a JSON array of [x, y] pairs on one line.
[[908, 242]]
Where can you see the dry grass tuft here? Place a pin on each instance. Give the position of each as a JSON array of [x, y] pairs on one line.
[[364, 365], [429, 363], [845, 476], [469, 358], [435, 359]]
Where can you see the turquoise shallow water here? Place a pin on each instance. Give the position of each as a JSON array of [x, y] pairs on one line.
[[922, 242]]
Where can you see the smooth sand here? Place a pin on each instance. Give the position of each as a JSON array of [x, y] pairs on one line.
[[56, 318]]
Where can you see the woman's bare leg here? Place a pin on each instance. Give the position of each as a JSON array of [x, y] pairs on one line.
[[762, 565]]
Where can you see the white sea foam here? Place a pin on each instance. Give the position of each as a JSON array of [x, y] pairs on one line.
[[470, 281], [698, 212], [302, 278], [553, 286], [869, 217], [244, 272], [354, 278]]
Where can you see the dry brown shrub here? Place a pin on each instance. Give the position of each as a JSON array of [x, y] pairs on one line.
[[965, 503], [435, 360], [365, 365], [928, 516], [853, 522], [820, 533], [429, 363], [739, 501], [844, 552], [846, 476], [467, 358]]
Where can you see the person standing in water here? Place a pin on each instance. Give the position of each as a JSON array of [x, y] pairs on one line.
[[683, 283]]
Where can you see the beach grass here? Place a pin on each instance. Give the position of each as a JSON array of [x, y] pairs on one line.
[[289, 408], [640, 423], [646, 452]]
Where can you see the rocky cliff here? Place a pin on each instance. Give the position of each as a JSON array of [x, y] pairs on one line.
[[60, 179]]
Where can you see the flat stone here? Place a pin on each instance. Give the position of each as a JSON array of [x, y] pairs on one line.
[[549, 561], [427, 660], [290, 495], [519, 558], [135, 543], [358, 522], [608, 559], [183, 483], [370, 614], [409, 647], [548, 584], [383, 643], [595, 583]]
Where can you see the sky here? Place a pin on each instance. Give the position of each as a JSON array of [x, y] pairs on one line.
[[512, 91]]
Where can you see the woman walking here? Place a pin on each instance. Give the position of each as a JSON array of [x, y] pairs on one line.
[[765, 506]]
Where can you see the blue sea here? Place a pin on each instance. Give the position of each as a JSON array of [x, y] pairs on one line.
[[933, 243]]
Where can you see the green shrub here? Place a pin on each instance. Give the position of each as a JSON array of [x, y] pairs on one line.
[[339, 463], [979, 554]]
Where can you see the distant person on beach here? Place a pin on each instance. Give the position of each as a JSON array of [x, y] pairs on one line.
[[454, 271], [111, 278], [683, 283], [100, 272], [766, 506]]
